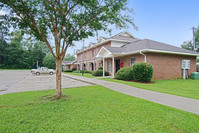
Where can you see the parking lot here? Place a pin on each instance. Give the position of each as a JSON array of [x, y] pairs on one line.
[[18, 81]]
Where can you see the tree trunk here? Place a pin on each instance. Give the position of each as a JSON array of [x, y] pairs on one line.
[[58, 78]]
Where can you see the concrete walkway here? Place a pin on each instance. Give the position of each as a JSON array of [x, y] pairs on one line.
[[183, 103]]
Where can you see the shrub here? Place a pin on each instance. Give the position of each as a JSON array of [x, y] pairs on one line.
[[142, 72], [74, 69], [99, 73], [91, 72], [68, 70], [100, 68], [125, 73], [85, 71]]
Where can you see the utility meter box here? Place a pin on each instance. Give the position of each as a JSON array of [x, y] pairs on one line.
[[185, 64]]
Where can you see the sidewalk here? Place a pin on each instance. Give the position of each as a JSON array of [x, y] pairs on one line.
[[183, 103]]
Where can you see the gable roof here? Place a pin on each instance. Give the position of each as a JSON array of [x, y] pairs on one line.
[[147, 45], [68, 62]]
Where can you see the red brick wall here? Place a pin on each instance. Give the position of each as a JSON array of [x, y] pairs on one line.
[[168, 66], [88, 56], [165, 66]]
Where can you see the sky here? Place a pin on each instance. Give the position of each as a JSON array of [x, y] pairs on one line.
[[167, 21]]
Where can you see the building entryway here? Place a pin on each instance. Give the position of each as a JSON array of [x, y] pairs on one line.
[[117, 64], [92, 67]]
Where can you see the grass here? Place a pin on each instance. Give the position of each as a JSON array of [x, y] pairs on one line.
[[90, 109], [186, 88], [88, 75]]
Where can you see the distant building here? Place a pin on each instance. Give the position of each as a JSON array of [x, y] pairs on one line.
[[69, 64]]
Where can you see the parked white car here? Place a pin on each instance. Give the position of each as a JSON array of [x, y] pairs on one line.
[[42, 70]]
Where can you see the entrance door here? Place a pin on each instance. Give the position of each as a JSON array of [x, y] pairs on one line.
[[117, 64], [92, 66]]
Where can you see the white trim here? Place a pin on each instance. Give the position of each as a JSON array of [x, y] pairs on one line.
[[113, 71], [97, 56], [159, 51], [103, 67], [127, 33], [108, 65], [171, 52]]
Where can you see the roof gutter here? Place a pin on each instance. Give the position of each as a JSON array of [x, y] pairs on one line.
[[144, 56]]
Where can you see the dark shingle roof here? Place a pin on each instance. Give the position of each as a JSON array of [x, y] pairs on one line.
[[146, 44]]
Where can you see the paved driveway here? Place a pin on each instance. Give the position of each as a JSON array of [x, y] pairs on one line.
[[19, 81]]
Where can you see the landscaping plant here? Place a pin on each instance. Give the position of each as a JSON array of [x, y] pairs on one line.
[[125, 73], [142, 72], [99, 73]]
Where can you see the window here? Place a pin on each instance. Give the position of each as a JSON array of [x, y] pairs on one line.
[[109, 65], [92, 52], [132, 61]]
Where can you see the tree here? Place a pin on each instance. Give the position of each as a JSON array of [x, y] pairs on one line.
[[65, 21], [69, 57], [49, 61], [189, 44]]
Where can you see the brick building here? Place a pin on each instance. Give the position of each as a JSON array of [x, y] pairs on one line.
[[124, 50]]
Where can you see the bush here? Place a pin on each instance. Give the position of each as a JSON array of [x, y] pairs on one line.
[[100, 68], [125, 73], [142, 72], [68, 70], [91, 72], [99, 73], [80, 71], [85, 71], [74, 69]]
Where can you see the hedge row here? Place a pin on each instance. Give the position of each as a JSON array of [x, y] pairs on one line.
[[142, 72]]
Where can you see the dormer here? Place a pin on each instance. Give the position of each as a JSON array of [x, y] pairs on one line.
[[121, 39], [125, 34]]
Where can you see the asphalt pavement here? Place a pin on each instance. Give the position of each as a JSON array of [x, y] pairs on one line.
[[12, 81]]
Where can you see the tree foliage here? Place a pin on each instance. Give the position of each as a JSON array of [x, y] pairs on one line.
[[49, 61], [189, 44], [16, 54], [69, 57], [65, 21]]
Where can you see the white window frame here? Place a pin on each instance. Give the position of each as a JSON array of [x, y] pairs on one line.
[[109, 65], [131, 64]]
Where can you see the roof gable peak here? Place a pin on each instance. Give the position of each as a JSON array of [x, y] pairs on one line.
[[125, 33]]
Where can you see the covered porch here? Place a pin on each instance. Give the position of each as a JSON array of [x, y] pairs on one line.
[[110, 61]]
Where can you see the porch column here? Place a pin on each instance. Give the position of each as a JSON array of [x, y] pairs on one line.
[[113, 70], [103, 67]]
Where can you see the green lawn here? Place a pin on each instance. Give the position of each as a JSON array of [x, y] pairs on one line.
[[186, 88], [88, 75], [90, 109]]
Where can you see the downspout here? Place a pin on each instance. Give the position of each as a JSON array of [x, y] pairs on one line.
[[144, 56]]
